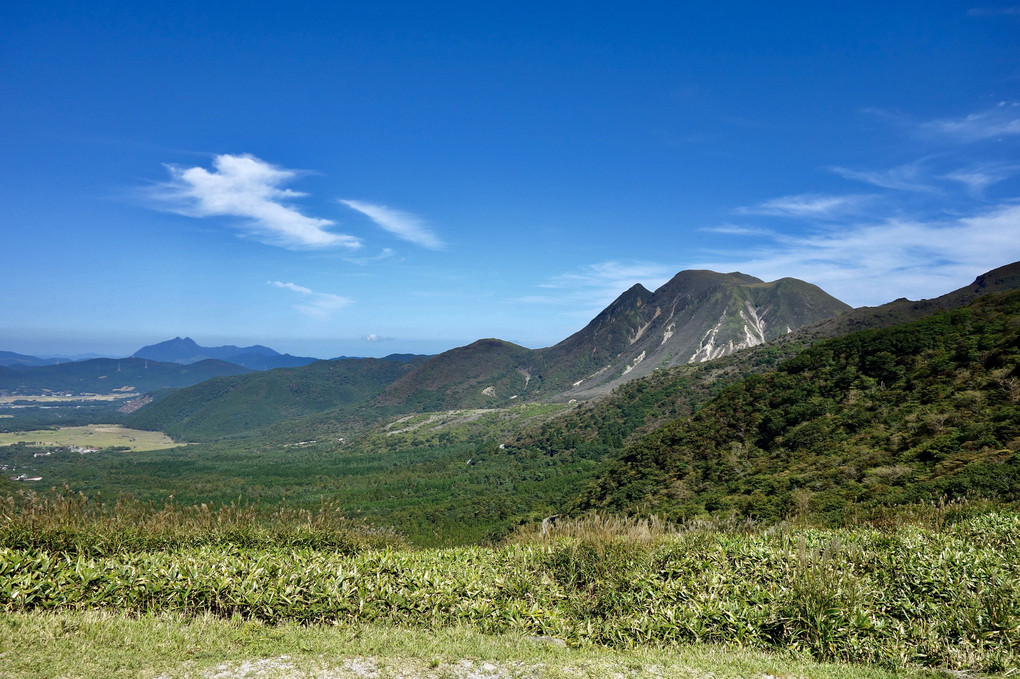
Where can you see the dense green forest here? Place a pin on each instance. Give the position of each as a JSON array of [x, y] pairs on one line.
[[918, 412]]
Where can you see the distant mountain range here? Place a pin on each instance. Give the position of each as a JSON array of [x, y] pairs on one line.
[[9, 358], [256, 357], [697, 316], [181, 351], [111, 375]]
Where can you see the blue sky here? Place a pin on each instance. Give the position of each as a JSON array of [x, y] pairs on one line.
[[368, 178]]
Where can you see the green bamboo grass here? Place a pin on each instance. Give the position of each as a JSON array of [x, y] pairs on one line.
[[911, 595]]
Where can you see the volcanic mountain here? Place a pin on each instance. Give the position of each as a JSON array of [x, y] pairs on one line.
[[697, 316]]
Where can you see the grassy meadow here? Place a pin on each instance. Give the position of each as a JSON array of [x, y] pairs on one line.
[[108, 645]]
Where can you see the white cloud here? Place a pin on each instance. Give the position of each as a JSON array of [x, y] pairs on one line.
[[315, 304], [811, 205], [403, 225], [735, 230], [906, 177], [979, 177], [867, 263], [873, 263], [372, 337], [1001, 121], [249, 188]]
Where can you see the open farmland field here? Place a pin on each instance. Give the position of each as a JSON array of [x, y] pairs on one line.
[[93, 436]]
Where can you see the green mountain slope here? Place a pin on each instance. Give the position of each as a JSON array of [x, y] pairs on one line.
[[482, 374], [1002, 279], [638, 407], [231, 406], [920, 411]]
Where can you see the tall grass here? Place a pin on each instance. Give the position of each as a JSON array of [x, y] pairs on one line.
[[910, 595], [77, 524]]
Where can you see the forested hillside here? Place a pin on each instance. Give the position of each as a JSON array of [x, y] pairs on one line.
[[918, 412], [230, 406], [639, 407]]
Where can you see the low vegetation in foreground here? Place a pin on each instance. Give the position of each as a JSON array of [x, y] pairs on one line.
[[104, 645], [940, 591]]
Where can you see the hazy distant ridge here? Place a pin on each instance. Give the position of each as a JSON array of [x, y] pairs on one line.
[[255, 357]]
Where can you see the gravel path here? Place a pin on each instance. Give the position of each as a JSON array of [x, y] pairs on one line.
[[285, 667]]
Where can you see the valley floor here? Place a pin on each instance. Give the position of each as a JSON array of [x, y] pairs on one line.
[[109, 645]]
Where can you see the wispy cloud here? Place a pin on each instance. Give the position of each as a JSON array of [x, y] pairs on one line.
[[251, 189], [1001, 121], [907, 177], [372, 337], [994, 11], [736, 230], [807, 205], [401, 224], [979, 177], [872, 263], [315, 304], [588, 290], [385, 253]]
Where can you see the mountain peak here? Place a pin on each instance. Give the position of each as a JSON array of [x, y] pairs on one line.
[[696, 316], [186, 350]]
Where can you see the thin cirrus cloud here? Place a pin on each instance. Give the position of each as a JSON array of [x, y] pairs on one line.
[[874, 262], [315, 304], [403, 225], [907, 177], [1003, 120], [979, 177], [589, 289], [251, 190], [806, 205]]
